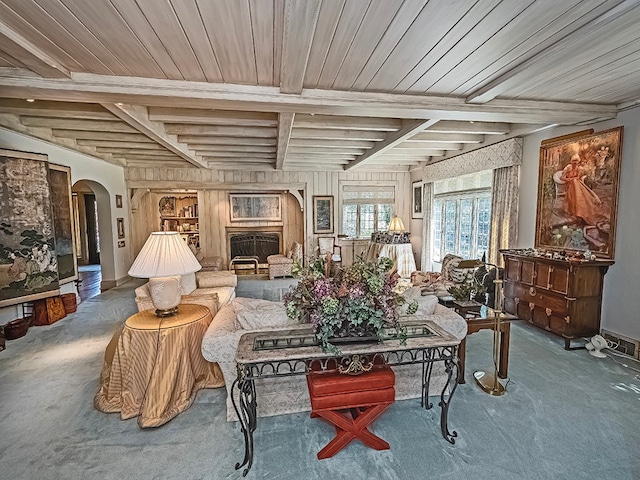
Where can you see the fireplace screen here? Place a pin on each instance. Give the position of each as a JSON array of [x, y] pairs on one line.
[[259, 245]]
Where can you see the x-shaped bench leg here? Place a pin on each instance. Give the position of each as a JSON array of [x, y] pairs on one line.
[[351, 426]]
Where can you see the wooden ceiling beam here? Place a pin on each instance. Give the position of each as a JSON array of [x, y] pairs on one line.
[[362, 135], [324, 151], [408, 145], [598, 18], [478, 128], [518, 131], [224, 130], [285, 127], [300, 20], [136, 151], [212, 117], [428, 137], [234, 148], [243, 165], [209, 154], [215, 140], [13, 122], [115, 126], [117, 144], [348, 123], [30, 55], [100, 135], [138, 118], [409, 129], [92, 88], [329, 144]]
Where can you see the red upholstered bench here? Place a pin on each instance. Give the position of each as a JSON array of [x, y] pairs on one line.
[[351, 403]]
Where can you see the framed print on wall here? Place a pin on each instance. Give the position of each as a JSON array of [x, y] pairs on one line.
[[120, 227], [246, 207], [578, 193], [63, 222], [417, 200], [323, 214], [118, 201]]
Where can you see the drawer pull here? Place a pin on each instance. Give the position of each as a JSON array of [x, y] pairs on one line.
[[532, 305], [532, 292], [548, 311]]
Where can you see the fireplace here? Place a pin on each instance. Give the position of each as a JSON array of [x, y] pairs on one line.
[[254, 244]]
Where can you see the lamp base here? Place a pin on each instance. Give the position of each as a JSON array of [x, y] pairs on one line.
[[168, 312], [489, 383]]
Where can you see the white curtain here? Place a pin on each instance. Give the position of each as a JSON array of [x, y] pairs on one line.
[[427, 202], [504, 212]]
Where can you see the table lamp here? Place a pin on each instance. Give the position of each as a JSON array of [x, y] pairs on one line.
[[163, 258], [396, 225], [489, 382]]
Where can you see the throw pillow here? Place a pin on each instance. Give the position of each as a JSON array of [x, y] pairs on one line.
[[253, 314], [188, 283]]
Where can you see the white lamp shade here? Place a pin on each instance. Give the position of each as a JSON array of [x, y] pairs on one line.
[[164, 254], [396, 225]]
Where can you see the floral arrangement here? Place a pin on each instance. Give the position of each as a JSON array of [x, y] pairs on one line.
[[358, 301]]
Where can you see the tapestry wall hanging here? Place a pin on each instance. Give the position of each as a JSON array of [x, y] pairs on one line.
[[28, 263], [62, 209], [578, 193]]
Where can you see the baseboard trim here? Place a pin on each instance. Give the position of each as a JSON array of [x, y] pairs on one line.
[[107, 284], [626, 345]]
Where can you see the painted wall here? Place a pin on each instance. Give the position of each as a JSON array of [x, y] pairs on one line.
[[214, 187], [109, 181], [620, 312]]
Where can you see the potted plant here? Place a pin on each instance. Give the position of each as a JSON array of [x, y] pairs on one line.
[[359, 302]]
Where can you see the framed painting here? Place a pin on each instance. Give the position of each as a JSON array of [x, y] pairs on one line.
[[28, 262], [118, 201], [323, 214], [578, 193], [417, 200], [63, 226], [167, 206], [120, 224], [245, 207]]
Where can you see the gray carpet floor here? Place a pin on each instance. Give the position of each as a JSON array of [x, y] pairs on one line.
[[566, 415]]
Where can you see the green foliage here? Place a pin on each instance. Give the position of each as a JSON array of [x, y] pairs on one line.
[[358, 300]]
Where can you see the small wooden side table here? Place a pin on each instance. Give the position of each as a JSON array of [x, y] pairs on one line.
[[485, 321]]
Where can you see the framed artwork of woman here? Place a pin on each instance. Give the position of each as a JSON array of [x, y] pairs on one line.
[[578, 193]]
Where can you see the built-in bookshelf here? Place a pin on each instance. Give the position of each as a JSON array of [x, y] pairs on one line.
[[179, 213]]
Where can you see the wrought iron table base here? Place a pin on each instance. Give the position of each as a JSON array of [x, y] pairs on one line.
[[246, 406]]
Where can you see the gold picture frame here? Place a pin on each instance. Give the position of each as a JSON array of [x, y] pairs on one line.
[[578, 193]]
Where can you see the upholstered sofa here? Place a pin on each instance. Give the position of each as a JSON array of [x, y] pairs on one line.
[[289, 394], [438, 283], [212, 289]]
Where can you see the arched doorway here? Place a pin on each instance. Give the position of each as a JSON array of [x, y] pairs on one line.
[[94, 234]]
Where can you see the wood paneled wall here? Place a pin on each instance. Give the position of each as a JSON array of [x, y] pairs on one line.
[[213, 189]]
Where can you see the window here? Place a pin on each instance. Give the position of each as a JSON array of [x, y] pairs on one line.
[[461, 216], [366, 209]]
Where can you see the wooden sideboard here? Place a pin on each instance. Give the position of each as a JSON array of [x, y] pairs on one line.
[[560, 296]]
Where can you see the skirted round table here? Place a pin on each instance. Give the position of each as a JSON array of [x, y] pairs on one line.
[[153, 367]]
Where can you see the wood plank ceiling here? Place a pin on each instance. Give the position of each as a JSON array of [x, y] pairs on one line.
[[309, 84]]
